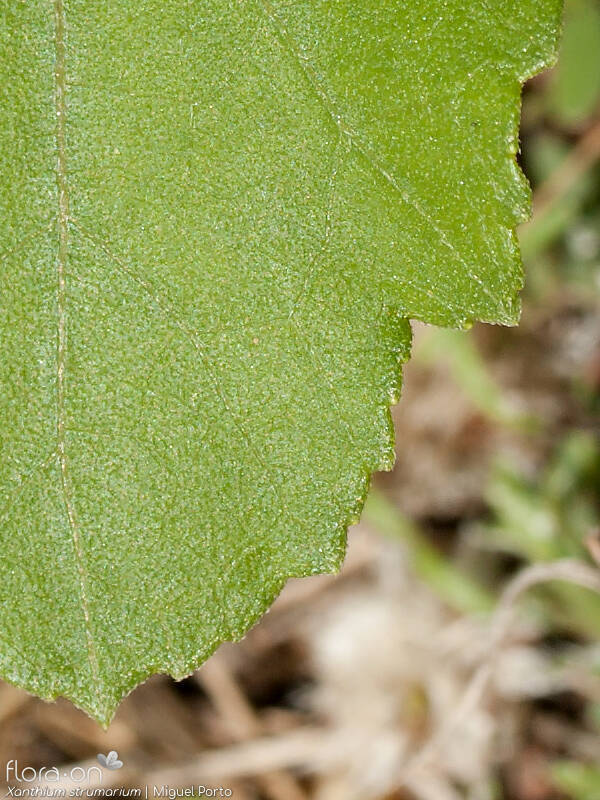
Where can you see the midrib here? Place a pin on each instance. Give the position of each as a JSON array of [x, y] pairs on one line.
[[60, 83]]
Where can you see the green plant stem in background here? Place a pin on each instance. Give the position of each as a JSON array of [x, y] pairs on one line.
[[578, 781], [459, 353], [454, 586], [549, 519]]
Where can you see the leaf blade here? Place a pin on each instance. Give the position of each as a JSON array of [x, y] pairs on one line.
[[205, 312]]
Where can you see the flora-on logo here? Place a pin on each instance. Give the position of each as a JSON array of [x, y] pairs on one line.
[[111, 761], [17, 774]]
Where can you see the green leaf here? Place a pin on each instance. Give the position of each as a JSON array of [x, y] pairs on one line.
[[216, 219]]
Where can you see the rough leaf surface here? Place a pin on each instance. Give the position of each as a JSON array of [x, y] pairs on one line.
[[216, 219]]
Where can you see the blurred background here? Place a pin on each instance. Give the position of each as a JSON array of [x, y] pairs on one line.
[[457, 655]]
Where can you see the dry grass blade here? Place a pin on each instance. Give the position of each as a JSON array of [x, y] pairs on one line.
[[569, 570], [243, 724]]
